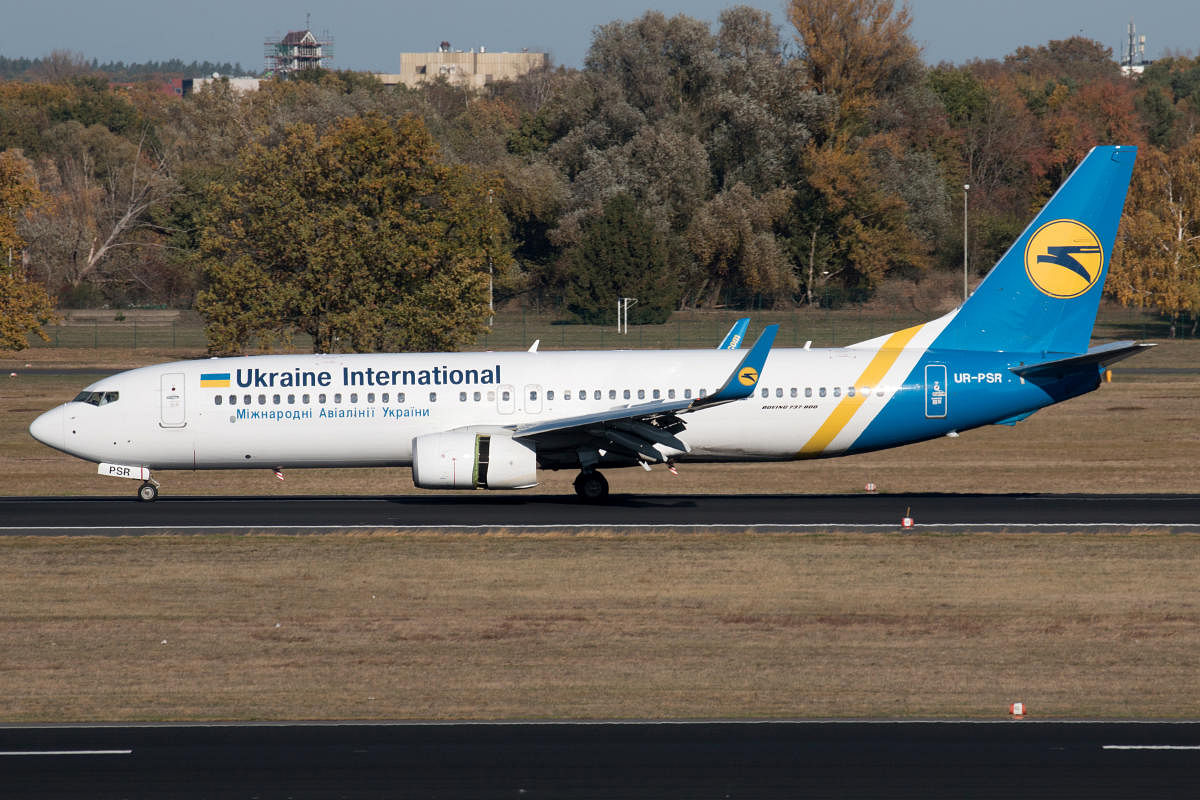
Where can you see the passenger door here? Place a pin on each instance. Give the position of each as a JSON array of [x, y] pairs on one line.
[[172, 400]]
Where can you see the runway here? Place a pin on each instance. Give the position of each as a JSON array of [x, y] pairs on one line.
[[488, 512], [605, 760]]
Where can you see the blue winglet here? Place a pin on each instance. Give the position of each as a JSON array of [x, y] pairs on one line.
[[741, 381], [733, 339]]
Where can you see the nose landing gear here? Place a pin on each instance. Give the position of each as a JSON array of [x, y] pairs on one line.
[[148, 491], [591, 486]]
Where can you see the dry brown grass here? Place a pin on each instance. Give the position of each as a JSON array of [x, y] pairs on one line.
[[599, 626]]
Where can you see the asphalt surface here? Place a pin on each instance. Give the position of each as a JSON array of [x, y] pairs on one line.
[[606, 760], [488, 511]]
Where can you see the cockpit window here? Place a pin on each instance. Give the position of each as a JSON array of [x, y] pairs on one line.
[[97, 398]]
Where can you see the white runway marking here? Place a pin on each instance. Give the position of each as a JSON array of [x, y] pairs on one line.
[[841, 526], [66, 752], [1152, 747]]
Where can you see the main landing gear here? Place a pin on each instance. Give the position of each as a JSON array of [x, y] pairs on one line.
[[591, 486], [148, 491]]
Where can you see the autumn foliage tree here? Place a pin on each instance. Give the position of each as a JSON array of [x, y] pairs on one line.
[[24, 305], [1156, 263], [362, 238]]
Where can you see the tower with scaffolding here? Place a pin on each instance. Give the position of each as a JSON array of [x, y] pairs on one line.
[[298, 50]]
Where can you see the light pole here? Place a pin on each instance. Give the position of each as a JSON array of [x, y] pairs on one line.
[[966, 188], [491, 306]]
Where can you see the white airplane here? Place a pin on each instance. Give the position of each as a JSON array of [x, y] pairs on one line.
[[491, 420]]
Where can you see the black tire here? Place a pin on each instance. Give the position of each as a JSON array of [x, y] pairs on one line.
[[147, 492], [591, 486]]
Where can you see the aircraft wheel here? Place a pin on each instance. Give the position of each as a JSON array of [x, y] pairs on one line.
[[147, 492], [591, 486]]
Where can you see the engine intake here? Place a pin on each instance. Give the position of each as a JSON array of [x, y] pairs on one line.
[[468, 459]]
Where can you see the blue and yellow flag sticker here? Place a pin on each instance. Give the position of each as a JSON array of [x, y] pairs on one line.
[[1064, 259], [214, 380]]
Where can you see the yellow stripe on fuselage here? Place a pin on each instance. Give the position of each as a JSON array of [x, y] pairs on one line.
[[870, 377]]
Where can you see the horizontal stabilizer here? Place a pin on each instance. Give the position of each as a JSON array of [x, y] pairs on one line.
[[1099, 356]]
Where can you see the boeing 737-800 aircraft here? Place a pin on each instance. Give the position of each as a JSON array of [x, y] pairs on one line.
[[491, 420]]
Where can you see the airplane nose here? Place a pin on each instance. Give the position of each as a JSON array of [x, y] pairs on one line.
[[48, 428]]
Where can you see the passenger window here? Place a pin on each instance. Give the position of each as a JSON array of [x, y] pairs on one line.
[[233, 399], [533, 394], [477, 396], [766, 392], [779, 392], [337, 397], [582, 394], [321, 399], [306, 399], [354, 397], [491, 397], [703, 393], [217, 399], [549, 395], [566, 394], [433, 397], [245, 399], [794, 392], [505, 396], [837, 391], [262, 399], [384, 397], [821, 392], [596, 395], [808, 391], [657, 394], [850, 392], [641, 394], [462, 397], [291, 399], [370, 397], [687, 394], [670, 394], [399, 397], [612, 394], [275, 399], [879, 391], [626, 394]]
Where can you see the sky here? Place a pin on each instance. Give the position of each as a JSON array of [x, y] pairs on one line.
[[370, 34]]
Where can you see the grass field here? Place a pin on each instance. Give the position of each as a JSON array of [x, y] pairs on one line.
[[390, 626], [443, 626]]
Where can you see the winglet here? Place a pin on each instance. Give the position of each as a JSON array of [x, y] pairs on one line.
[[733, 339], [744, 378]]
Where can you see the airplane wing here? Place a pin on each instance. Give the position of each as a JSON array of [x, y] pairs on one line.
[[634, 430], [733, 339]]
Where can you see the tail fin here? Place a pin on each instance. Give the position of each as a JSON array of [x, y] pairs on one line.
[[1042, 296]]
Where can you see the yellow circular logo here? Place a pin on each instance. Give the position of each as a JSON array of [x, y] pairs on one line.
[[748, 376], [1064, 258]]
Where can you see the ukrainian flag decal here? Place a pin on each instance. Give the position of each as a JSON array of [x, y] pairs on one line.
[[214, 380]]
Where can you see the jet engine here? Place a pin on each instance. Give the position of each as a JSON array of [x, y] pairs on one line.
[[471, 459]]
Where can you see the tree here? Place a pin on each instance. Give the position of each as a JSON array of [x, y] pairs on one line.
[[856, 49], [362, 238], [1156, 263], [620, 255], [733, 242], [24, 304]]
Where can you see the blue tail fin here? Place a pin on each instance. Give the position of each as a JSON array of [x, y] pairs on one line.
[[1042, 296]]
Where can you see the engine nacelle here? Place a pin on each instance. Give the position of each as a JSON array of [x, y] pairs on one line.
[[470, 459]]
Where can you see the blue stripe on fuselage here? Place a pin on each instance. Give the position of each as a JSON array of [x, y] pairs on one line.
[[980, 390]]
